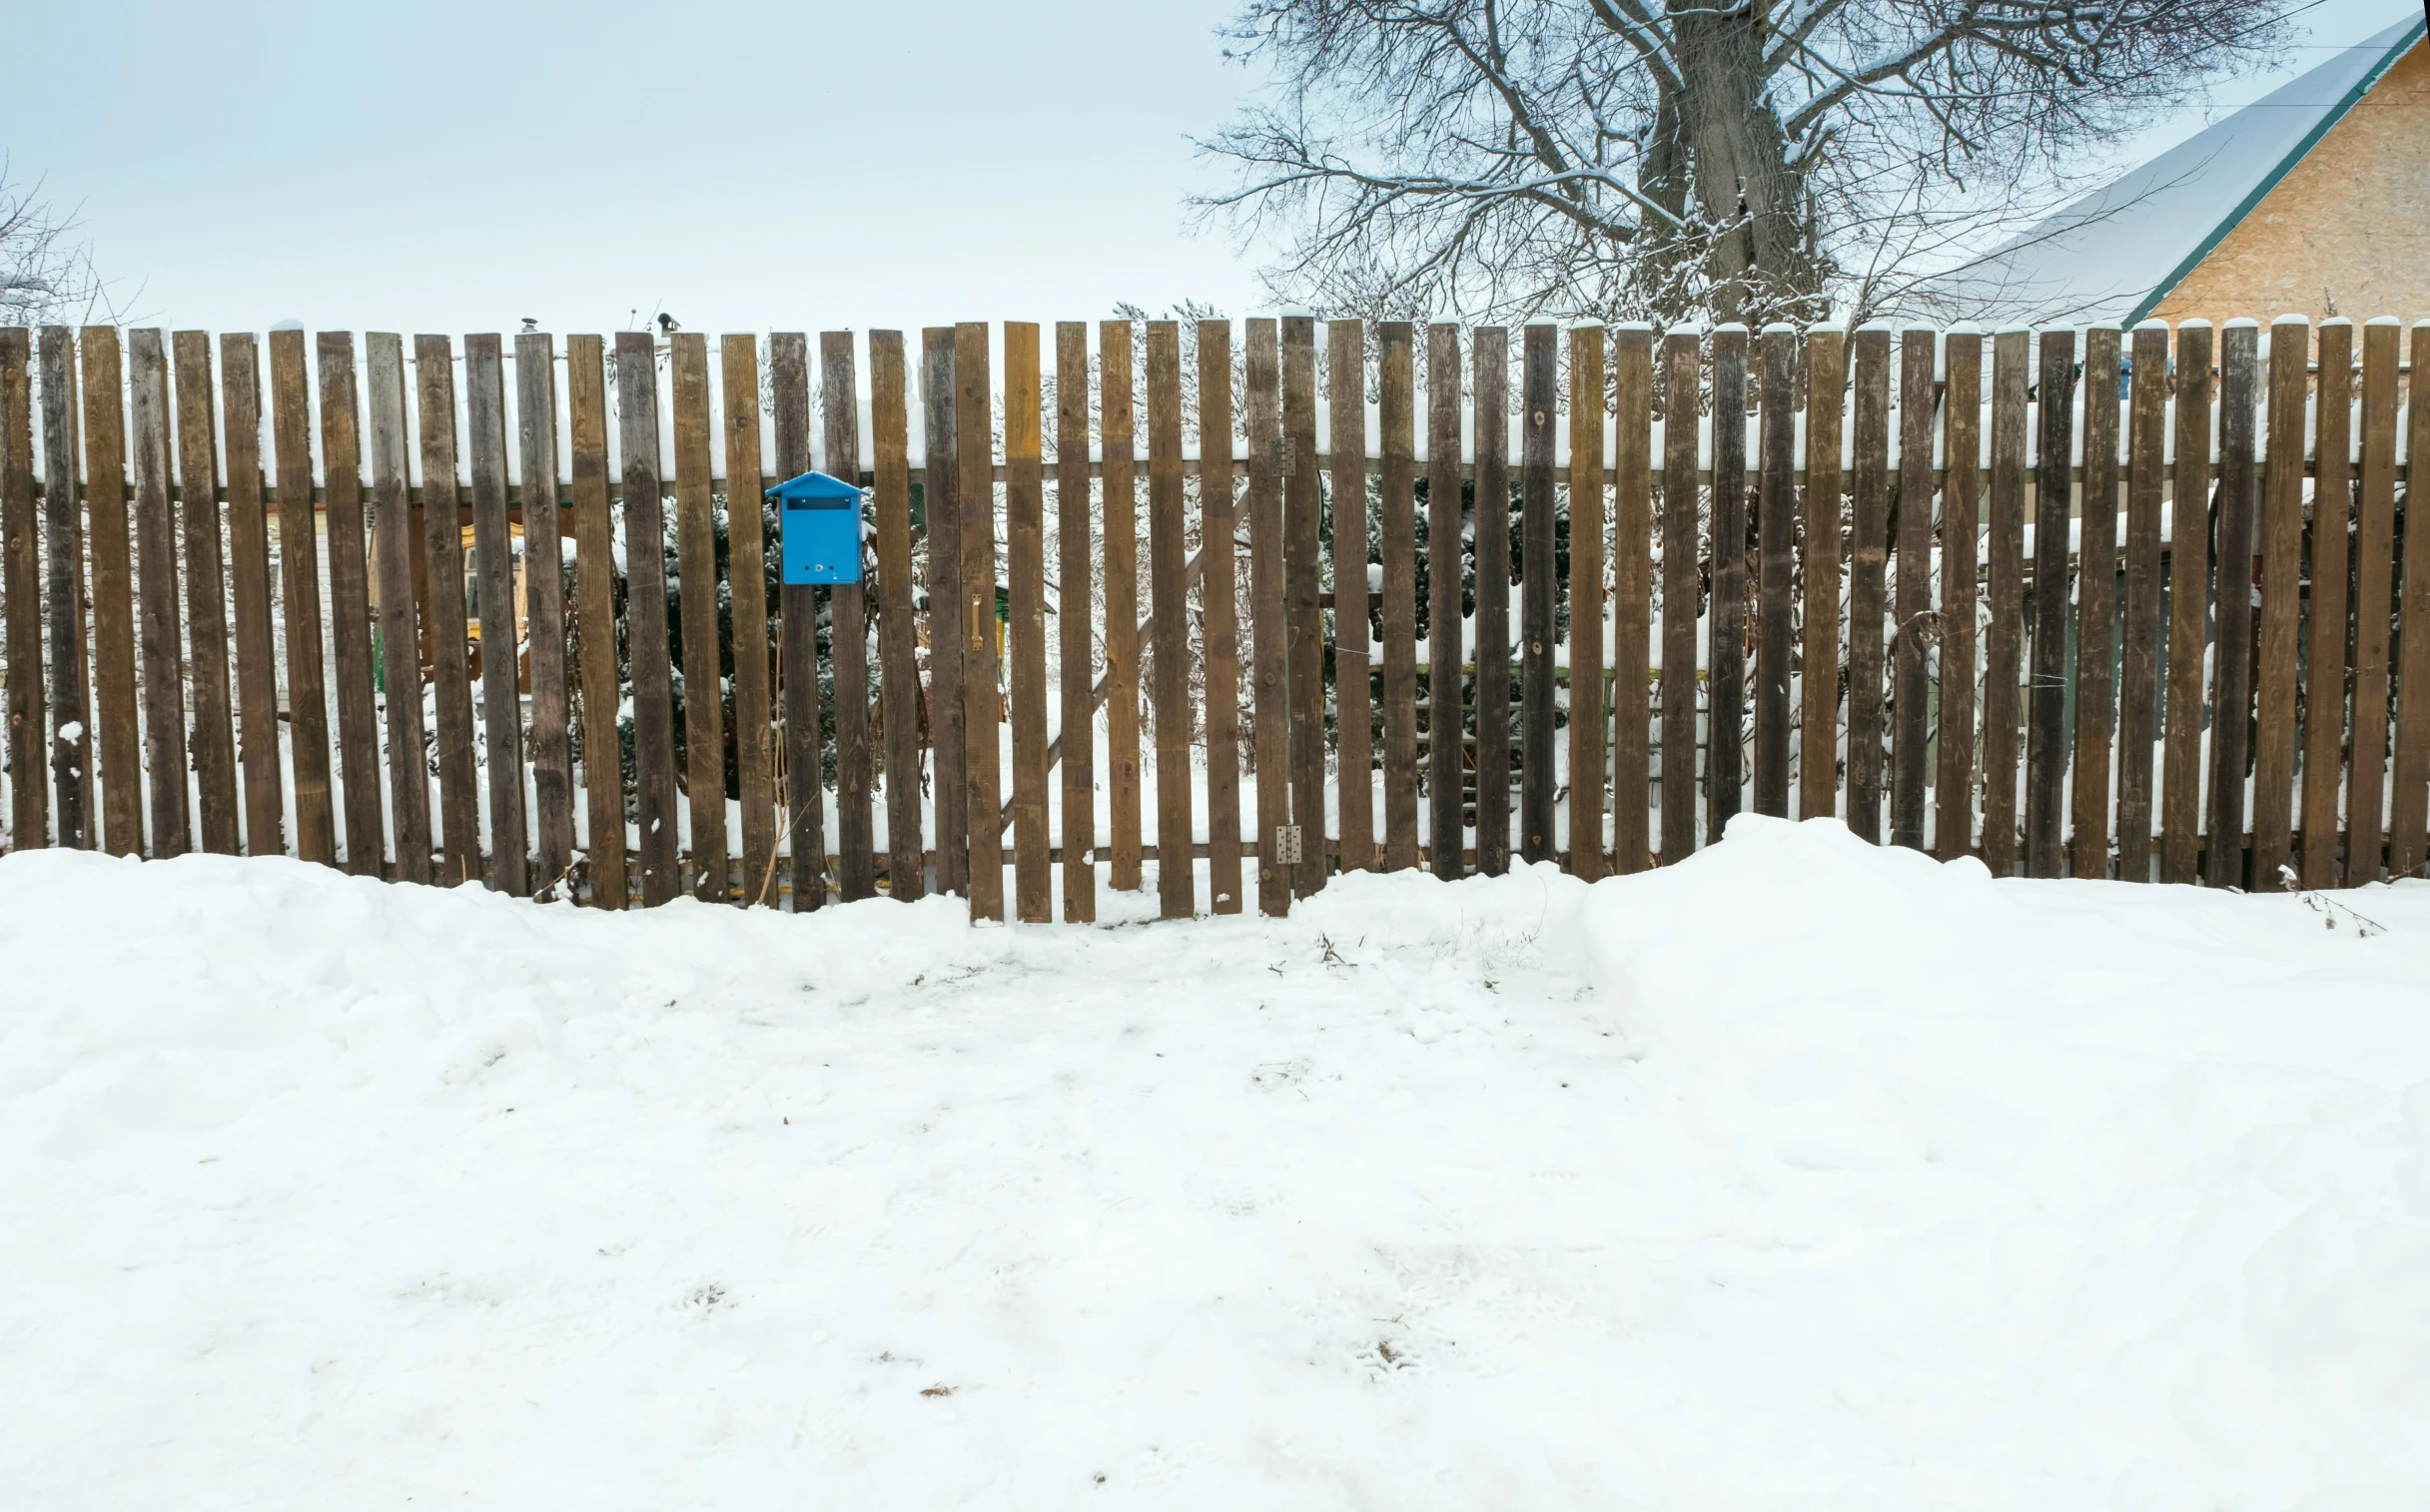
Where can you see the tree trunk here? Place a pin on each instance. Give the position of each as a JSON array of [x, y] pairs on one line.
[[1745, 189]]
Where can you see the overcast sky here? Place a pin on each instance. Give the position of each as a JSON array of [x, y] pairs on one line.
[[454, 165]]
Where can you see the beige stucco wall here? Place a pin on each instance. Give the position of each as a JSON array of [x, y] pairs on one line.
[[2349, 227]]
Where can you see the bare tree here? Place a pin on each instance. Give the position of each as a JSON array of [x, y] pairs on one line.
[[46, 273], [1620, 159]]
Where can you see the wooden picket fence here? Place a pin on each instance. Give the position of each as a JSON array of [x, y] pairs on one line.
[[2095, 708]]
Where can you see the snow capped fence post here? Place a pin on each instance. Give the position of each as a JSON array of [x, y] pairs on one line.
[[1961, 510]]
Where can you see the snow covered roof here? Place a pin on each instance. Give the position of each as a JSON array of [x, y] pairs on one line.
[[2114, 253]]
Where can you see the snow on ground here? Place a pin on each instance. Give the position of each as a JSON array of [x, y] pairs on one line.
[[1803, 1175]]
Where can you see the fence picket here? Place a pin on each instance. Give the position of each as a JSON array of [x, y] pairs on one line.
[[646, 630], [1026, 632], [1960, 512], [703, 721], [1397, 535], [1270, 705], [2409, 807], [1632, 589], [1176, 885], [494, 612], [551, 740], [2003, 593], [898, 669], [1911, 605], [1682, 593], [1076, 641], [104, 471], [803, 745], [1446, 723], [70, 727], [256, 650], [2097, 611], [848, 637], [2047, 742], [747, 573], [2140, 628], [212, 725], [155, 602], [1490, 362], [1776, 560], [1539, 593], [2324, 697], [446, 619], [1819, 711], [1726, 644], [2275, 675], [2188, 610], [2374, 606], [1868, 563], [1353, 706], [300, 599], [981, 706], [604, 855], [393, 565], [1116, 400], [350, 607], [21, 590], [1586, 601], [940, 493], [2232, 613], [1219, 609]]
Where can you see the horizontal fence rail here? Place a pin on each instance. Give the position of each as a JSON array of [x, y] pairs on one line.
[[1240, 591]]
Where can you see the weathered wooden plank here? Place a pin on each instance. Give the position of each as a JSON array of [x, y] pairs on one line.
[[1076, 643], [1818, 768], [2409, 805], [1682, 591], [1539, 592], [2188, 610], [1961, 514], [646, 630], [981, 704], [2374, 605], [1353, 704], [300, 600], [2047, 735], [1490, 362], [494, 612], [1446, 727], [2231, 710], [2275, 684], [1219, 529], [551, 739], [446, 614], [1912, 601], [21, 591], [211, 724], [349, 597], [1397, 542], [1026, 628], [2139, 629], [1726, 620], [2328, 664], [702, 728], [2004, 589], [747, 575], [1176, 886], [392, 567], [164, 672], [797, 606], [848, 638], [898, 649], [2096, 607], [104, 471], [602, 750], [1632, 589], [256, 647], [1263, 419], [1587, 605], [71, 714], [940, 494], [1776, 564], [1117, 402], [1868, 563]]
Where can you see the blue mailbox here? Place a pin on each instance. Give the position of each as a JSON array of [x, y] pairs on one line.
[[821, 530]]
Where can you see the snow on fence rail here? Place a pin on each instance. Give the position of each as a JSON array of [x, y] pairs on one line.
[[2064, 707]]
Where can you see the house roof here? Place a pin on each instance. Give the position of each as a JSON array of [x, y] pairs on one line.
[[2114, 253]]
